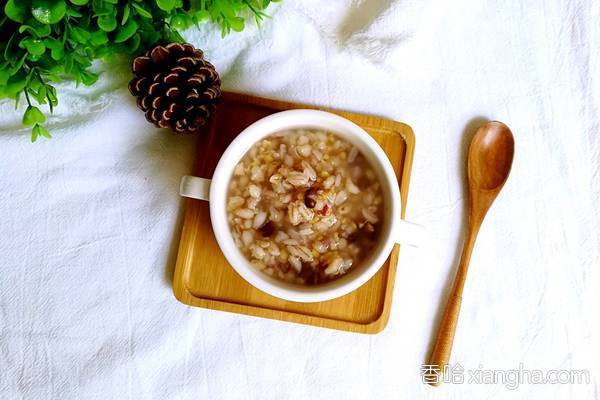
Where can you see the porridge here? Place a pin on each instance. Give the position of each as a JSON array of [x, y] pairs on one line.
[[304, 206]]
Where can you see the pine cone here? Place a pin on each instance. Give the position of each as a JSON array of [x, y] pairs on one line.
[[176, 87]]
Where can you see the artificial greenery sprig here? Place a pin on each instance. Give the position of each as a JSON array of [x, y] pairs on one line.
[[44, 41]]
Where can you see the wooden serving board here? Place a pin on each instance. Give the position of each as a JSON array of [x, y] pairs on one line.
[[203, 278]]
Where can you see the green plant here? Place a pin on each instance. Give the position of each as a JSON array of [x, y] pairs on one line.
[[44, 41]]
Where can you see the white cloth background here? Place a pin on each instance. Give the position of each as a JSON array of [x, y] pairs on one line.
[[89, 220]]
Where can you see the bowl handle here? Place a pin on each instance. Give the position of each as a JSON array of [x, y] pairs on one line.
[[194, 187]]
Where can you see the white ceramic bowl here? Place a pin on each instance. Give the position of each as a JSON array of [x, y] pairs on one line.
[[394, 229]]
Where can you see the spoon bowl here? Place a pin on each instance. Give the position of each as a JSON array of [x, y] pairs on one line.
[[490, 156]]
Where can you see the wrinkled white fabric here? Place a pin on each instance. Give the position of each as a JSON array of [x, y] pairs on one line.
[[89, 221]]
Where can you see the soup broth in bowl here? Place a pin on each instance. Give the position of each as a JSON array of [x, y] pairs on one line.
[[304, 206]]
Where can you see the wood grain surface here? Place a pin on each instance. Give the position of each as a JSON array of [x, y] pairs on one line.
[[203, 278]]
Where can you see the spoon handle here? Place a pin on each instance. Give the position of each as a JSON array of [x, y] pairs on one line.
[[445, 337]]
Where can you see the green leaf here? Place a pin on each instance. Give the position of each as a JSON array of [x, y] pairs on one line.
[[165, 5], [39, 94], [150, 37], [33, 116], [34, 47], [141, 10], [180, 21], [107, 23], [202, 15], [174, 36], [16, 10], [226, 8], [32, 84], [126, 11], [82, 60], [98, 38], [38, 131], [103, 52], [15, 84], [52, 43], [68, 63], [80, 35], [88, 78], [51, 95], [4, 75], [48, 11], [57, 50], [134, 44], [79, 2], [39, 30], [101, 7], [236, 23], [10, 55], [71, 12], [17, 67], [126, 31], [33, 57]]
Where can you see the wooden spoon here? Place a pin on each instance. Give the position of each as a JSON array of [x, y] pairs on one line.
[[490, 158]]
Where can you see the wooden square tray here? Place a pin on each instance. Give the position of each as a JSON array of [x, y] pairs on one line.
[[203, 278]]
